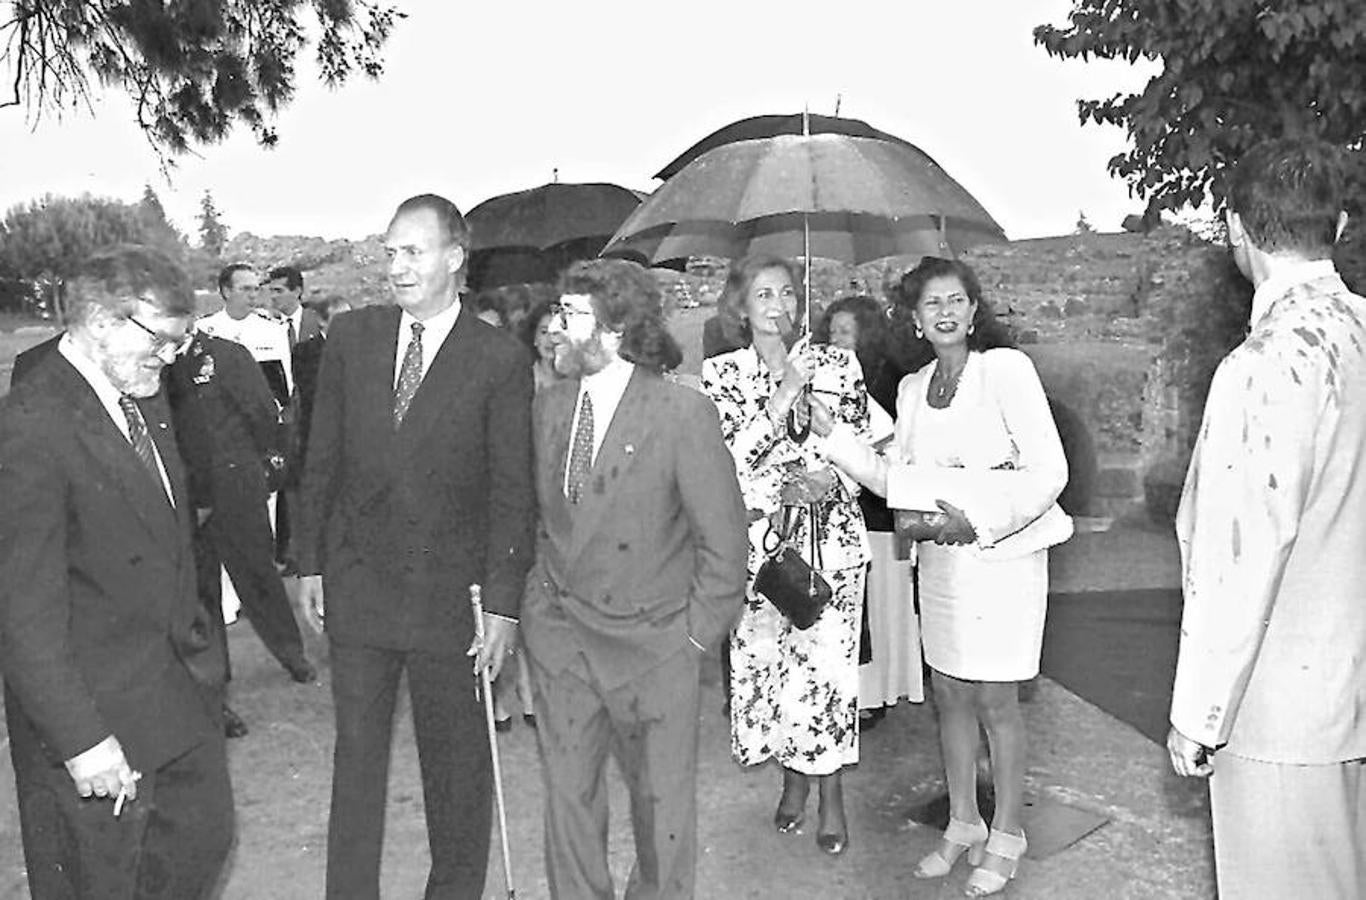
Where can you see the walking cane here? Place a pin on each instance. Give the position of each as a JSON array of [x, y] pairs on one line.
[[486, 687]]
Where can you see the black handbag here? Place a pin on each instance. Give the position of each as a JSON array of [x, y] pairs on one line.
[[788, 581]]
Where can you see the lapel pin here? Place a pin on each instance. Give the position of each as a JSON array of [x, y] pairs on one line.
[[630, 449]]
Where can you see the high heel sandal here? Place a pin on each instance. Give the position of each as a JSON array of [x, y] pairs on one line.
[[1010, 847], [961, 836]]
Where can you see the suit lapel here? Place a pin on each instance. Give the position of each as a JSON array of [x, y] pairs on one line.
[[620, 446], [449, 369], [112, 451]]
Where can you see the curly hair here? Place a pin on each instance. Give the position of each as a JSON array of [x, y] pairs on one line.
[[987, 331], [731, 305], [627, 301]]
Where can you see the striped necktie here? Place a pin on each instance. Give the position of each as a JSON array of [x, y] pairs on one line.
[[140, 439]]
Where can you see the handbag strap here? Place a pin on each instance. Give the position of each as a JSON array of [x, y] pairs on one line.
[[813, 533]]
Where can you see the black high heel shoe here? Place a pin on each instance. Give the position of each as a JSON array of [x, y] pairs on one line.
[[832, 842], [784, 821]]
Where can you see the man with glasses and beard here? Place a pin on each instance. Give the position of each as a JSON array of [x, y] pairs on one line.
[[113, 678], [640, 569]]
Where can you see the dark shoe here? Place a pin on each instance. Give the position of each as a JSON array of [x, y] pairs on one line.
[[233, 726], [831, 839], [529, 719], [834, 844], [868, 719], [792, 805], [503, 725], [302, 671]]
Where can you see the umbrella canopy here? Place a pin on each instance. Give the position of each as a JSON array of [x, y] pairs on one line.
[[756, 127], [552, 214], [530, 236], [861, 199]]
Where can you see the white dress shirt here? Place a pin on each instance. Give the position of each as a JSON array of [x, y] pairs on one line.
[[109, 398], [606, 388], [434, 333]]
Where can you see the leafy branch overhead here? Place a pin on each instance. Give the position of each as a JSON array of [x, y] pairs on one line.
[[193, 68], [1234, 72]]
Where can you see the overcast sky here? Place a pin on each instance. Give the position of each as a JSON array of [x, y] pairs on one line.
[[485, 98]]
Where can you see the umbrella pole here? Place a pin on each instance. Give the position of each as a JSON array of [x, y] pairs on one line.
[[485, 687]]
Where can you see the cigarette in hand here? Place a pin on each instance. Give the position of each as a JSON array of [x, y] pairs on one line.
[[123, 795]]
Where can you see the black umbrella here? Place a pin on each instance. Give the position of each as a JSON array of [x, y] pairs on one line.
[[767, 126], [531, 235]]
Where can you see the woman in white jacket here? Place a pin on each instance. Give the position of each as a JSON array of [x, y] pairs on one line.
[[977, 457]]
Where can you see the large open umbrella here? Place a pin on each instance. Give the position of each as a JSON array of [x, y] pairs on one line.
[[756, 127], [853, 199], [530, 235]]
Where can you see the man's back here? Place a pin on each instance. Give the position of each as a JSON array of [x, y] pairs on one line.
[[1299, 385]]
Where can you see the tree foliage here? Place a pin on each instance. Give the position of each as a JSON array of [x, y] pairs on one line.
[[213, 234], [194, 68], [1234, 72], [43, 241]]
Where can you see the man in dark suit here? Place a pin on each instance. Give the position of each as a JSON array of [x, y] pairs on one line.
[[113, 683], [284, 286], [640, 568], [418, 483], [232, 445]]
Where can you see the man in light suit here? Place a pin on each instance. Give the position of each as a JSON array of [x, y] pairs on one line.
[[113, 676], [1271, 676], [640, 568], [418, 484]]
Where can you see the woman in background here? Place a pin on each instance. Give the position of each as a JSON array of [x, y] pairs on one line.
[[975, 443], [794, 694], [890, 664], [534, 330]]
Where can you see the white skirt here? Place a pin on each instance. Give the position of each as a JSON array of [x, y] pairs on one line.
[[982, 620], [895, 672]]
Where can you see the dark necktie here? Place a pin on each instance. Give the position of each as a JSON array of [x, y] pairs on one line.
[[293, 335], [409, 375], [581, 451], [140, 439]]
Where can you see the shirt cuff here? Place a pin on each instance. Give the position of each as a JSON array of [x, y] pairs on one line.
[[105, 755]]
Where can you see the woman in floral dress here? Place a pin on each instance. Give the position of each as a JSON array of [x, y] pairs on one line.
[[794, 694]]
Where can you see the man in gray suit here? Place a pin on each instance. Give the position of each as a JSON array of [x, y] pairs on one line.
[[1272, 525], [640, 567]]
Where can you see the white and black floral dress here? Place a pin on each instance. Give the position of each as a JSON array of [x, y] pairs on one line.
[[794, 694]]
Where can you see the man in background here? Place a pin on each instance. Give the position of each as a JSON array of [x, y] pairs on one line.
[[417, 485], [113, 679], [1271, 676], [250, 321], [640, 568], [285, 288]]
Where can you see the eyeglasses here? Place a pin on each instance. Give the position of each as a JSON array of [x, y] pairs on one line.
[[561, 313], [162, 342]]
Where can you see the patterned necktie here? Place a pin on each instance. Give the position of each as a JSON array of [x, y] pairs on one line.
[[581, 451], [140, 439], [409, 375]]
